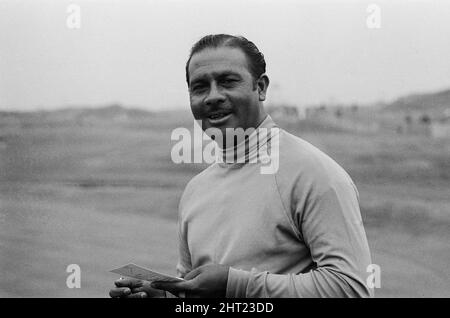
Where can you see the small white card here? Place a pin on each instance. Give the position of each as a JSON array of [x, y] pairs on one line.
[[135, 271]]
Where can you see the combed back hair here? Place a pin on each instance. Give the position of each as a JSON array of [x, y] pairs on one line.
[[255, 59]]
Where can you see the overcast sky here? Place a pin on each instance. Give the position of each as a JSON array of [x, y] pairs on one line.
[[134, 52]]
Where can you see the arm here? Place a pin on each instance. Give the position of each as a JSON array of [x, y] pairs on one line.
[[184, 265], [331, 226]]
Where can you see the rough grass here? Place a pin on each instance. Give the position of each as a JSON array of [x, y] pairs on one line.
[[104, 194]]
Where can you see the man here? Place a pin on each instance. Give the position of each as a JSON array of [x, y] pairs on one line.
[[296, 232]]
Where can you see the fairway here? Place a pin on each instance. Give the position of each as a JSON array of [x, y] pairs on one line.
[[102, 192]]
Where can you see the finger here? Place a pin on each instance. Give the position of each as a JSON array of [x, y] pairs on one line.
[[138, 295], [192, 274], [174, 288], [137, 290], [146, 289], [129, 282], [151, 292], [119, 292]]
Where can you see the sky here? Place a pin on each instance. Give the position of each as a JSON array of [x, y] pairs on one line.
[[133, 52]]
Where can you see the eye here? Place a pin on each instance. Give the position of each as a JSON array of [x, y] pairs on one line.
[[228, 81], [198, 87]]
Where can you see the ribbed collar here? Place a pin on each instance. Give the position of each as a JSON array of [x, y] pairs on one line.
[[254, 149]]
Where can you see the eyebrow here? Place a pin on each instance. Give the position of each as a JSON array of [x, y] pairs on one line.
[[216, 74]]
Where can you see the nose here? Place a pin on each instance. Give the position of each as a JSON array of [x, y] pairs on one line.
[[214, 96]]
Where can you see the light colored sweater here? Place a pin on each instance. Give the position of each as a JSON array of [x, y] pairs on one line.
[[297, 232]]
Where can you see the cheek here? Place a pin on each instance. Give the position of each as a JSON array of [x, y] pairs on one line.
[[242, 103]]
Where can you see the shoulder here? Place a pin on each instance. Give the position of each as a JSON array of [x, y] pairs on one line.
[[301, 163], [201, 177], [308, 180]]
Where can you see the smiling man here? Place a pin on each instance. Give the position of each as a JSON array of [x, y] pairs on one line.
[[226, 92], [296, 232]]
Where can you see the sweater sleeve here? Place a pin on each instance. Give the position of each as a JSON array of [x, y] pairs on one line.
[[331, 225], [184, 257], [184, 264]]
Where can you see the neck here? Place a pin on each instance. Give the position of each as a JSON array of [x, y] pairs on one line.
[[235, 136], [252, 142]]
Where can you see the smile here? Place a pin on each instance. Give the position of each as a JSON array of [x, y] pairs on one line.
[[217, 119]]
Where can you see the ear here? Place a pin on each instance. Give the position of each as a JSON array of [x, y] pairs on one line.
[[262, 84]]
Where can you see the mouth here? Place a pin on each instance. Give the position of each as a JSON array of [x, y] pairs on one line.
[[218, 118]]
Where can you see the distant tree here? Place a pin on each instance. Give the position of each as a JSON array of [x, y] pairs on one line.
[[425, 119], [293, 112], [338, 112], [408, 119]]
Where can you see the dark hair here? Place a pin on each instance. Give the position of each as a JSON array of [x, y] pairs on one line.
[[255, 59]]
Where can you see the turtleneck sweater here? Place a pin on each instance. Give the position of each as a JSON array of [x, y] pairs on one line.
[[256, 146], [294, 230]]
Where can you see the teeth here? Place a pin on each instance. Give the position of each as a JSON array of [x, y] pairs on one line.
[[217, 116]]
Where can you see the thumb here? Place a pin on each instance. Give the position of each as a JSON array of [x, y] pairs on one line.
[[174, 288]]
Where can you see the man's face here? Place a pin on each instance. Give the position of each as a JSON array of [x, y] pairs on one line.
[[222, 90]]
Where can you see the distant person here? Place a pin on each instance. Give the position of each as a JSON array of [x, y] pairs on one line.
[[296, 232]]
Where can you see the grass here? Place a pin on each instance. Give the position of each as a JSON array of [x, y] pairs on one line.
[[100, 194]]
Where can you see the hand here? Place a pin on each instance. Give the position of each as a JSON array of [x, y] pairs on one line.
[[209, 281], [134, 288]]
